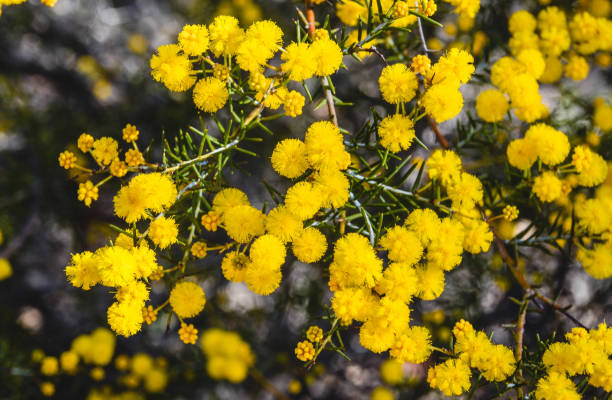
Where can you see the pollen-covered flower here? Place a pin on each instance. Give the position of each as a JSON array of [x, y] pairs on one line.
[[521, 154], [452, 377], [309, 246], [413, 345], [172, 68], [577, 68], [125, 319], [327, 55], [304, 199], [547, 186], [443, 101], [283, 224], [492, 105], [299, 62], [152, 191], [403, 245], [243, 223], [398, 84], [396, 132], [210, 94], [83, 270], [444, 165], [193, 39], [325, 147], [87, 193], [187, 299], [234, 266], [225, 35], [289, 158]]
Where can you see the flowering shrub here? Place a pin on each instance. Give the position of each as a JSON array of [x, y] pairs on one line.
[[384, 214]]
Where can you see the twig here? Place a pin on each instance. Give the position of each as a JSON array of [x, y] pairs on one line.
[[519, 334], [365, 217], [439, 136]]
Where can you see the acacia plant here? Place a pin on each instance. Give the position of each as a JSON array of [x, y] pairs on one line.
[[362, 194]]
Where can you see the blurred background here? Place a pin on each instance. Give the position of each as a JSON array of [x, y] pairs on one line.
[[82, 66]]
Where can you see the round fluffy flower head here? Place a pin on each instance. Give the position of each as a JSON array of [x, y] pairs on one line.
[[533, 61], [552, 17], [582, 158], [327, 55], [443, 101], [193, 39], [228, 199], [83, 270], [430, 282], [304, 351], [355, 262], [309, 246], [456, 66], [547, 186], [523, 90], [596, 262], [421, 64], [522, 21], [334, 186], [349, 12], [396, 132], [134, 292], [242, 223], [554, 41], [294, 103], [85, 142], [351, 303], [234, 266], [391, 372], [556, 386], [105, 150], [577, 68], [413, 345], [225, 35], [267, 33], [262, 278], [152, 191], [425, 223], [595, 173], [172, 68], [467, 8], [452, 377], [289, 158], [125, 319], [602, 376], [492, 105], [66, 159], [444, 165], [403, 245], [499, 364], [465, 191], [397, 84], [521, 154], [551, 145], [304, 199], [268, 251], [210, 94], [314, 334], [163, 232], [87, 193], [283, 224], [325, 147], [69, 361], [299, 61], [187, 299], [320, 34], [399, 282]]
